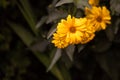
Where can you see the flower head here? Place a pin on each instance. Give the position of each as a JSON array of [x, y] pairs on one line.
[[98, 17], [59, 41], [72, 31], [87, 37], [72, 28], [93, 2]]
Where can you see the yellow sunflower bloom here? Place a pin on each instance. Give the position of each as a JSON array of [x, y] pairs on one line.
[[59, 41], [73, 29], [94, 2], [99, 17], [87, 37], [89, 33]]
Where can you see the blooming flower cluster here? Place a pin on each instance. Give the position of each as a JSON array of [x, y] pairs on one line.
[[81, 30]]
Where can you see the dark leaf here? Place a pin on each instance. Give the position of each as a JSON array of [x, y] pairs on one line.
[[81, 47], [28, 39], [40, 45], [101, 46], [109, 64], [117, 24], [110, 33], [65, 72], [81, 4], [55, 15], [70, 50], [61, 2], [28, 14], [51, 31], [41, 22], [65, 59], [24, 34], [55, 59], [115, 6]]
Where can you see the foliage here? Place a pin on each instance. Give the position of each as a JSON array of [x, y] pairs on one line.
[[27, 51]]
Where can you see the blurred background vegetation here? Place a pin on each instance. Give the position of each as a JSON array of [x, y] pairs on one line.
[[26, 52]]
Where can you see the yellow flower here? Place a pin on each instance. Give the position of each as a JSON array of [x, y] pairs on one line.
[[59, 41], [87, 37], [93, 2], [72, 28], [73, 31], [99, 17]]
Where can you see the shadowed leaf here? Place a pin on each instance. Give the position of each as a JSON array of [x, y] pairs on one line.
[[81, 47], [115, 6], [109, 65], [55, 59], [55, 15], [40, 46], [70, 50], [28, 39], [99, 46], [51, 31], [110, 33], [117, 23], [41, 22], [25, 35], [81, 4], [28, 15], [61, 2]]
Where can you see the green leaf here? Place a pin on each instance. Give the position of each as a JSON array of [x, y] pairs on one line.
[[41, 22], [27, 8], [55, 59], [28, 15], [70, 50], [65, 73], [61, 2], [24, 34], [81, 4], [28, 39], [45, 60]]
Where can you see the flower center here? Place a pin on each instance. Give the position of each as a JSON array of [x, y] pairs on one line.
[[99, 19], [72, 29]]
